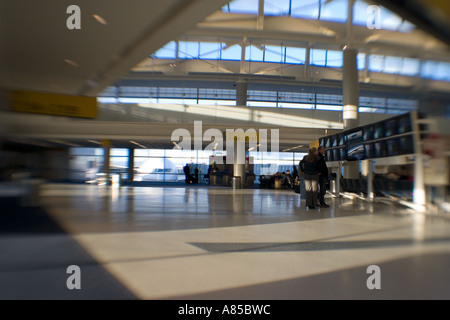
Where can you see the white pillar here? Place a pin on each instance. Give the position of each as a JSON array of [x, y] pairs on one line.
[[260, 19], [419, 193], [239, 168], [350, 89]]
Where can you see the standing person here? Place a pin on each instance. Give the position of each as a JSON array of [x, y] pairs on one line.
[[323, 177], [295, 172], [196, 175], [187, 173], [310, 168]]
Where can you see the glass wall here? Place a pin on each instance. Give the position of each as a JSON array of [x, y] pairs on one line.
[[118, 162], [221, 51], [160, 165], [394, 65], [257, 98], [85, 163], [269, 163]]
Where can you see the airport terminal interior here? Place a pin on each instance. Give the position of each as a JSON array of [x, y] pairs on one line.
[[150, 150]]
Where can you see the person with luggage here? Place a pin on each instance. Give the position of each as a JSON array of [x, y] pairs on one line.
[[309, 165]]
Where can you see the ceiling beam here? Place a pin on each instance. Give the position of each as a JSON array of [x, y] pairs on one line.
[[301, 32]]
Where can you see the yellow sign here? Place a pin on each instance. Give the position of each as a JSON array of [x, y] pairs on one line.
[[54, 104], [106, 143], [314, 144]]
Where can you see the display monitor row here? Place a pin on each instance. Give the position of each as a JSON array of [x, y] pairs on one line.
[[383, 129], [382, 139], [371, 150]]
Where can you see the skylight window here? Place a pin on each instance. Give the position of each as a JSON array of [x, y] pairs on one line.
[[295, 55], [334, 59], [305, 9], [335, 11], [231, 53], [167, 52], [242, 7], [253, 53], [210, 50], [274, 54], [277, 7], [188, 50], [318, 57]]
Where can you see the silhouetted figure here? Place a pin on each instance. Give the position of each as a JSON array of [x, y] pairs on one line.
[[187, 173], [323, 177], [295, 172], [309, 166], [195, 180]]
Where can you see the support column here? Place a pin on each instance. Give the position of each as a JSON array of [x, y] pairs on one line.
[[419, 193], [351, 103], [350, 89], [241, 93], [260, 19], [238, 167], [106, 160], [367, 172], [307, 62], [338, 181], [366, 67]]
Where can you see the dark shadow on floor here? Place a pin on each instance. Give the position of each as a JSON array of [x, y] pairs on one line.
[[35, 254], [420, 277]]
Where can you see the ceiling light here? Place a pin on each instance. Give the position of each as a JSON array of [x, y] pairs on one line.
[[292, 148], [63, 142], [99, 19], [138, 144], [31, 142], [71, 63], [93, 141]]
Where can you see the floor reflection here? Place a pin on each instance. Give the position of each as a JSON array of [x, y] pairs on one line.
[[166, 208]]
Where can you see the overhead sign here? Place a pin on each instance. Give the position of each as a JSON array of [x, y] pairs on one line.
[[314, 144], [54, 104]]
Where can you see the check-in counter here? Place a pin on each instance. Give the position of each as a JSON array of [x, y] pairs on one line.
[[223, 178], [220, 178]]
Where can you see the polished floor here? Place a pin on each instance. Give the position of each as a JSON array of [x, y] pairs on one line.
[[219, 243]]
